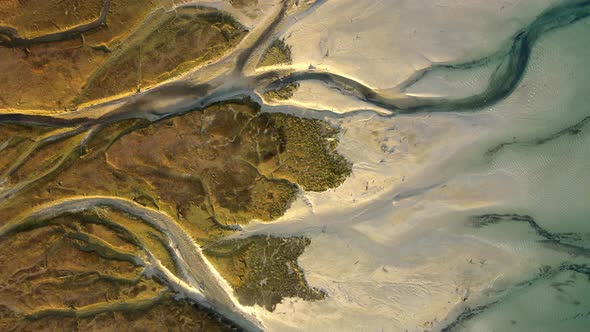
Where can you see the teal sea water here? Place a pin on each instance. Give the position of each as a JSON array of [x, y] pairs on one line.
[[543, 144]]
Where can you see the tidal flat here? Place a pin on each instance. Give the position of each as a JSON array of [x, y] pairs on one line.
[[282, 165]]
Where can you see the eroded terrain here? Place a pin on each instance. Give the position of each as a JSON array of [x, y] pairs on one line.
[[148, 148], [103, 220], [212, 170]]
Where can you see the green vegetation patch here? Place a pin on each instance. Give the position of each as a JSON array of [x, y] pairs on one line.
[[166, 45], [263, 269], [230, 162], [278, 53], [32, 18], [211, 169], [282, 93], [309, 157]]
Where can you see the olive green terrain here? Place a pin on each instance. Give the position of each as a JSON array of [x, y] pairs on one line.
[[141, 44], [212, 169]]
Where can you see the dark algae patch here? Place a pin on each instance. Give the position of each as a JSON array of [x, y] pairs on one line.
[[546, 273], [568, 242], [573, 130]]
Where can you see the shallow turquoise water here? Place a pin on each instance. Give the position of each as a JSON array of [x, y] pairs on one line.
[[546, 152]]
